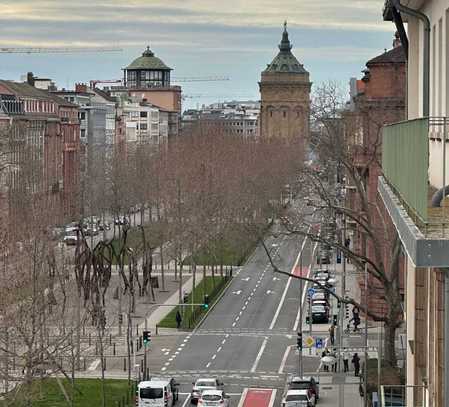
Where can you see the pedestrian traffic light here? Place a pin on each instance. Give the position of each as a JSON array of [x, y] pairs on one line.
[[205, 306], [146, 337], [335, 319], [299, 341], [307, 320]]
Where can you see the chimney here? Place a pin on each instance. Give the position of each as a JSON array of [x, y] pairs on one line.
[[80, 87], [30, 78]]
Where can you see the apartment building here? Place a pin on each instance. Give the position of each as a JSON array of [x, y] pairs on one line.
[[377, 98], [43, 160], [413, 188], [236, 118]]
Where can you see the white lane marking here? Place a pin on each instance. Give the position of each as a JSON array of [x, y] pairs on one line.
[[227, 336], [304, 291], [273, 397], [223, 341], [208, 364], [281, 303], [259, 355], [185, 340], [185, 401], [94, 364], [284, 359], [244, 308], [164, 368], [237, 318], [219, 349], [233, 324], [242, 399], [214, 356], [240, 313]]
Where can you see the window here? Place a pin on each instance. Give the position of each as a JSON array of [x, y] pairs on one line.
[[284, 113], [82, 115], [143, 114], [143, 126]]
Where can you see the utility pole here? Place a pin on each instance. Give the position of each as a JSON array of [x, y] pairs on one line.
[[365, 370], [301, 288], [343, 291]]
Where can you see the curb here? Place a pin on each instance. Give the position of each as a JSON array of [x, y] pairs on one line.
[[198, 325]]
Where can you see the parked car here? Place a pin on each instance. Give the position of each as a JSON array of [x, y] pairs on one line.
[[319, 296], [298, 398], [305, 383], [213, 398], [323, 257], [209, 383], [121, 220], [320, 314]]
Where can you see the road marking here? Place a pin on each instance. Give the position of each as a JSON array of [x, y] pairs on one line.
[[243, 398], [281, 303], [94, 364], [214, 356], [284, 359], [233, 324], [208, 364], [244, 308], [163, 369], [219, 349], [237, 318], [223, 341], [295, 326], [259, 355], [185, 401]]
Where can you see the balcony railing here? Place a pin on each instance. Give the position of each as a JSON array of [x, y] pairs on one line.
[[414, 158], [403, 396]]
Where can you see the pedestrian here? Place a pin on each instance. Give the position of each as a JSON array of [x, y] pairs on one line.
[[323, 354], [355, 312], [356, 363], [334, 365], [356, 323], [345, 360], [178, 319], [347, 245], [332, 334]]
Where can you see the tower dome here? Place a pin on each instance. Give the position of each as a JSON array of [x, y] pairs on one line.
[[147, 71]]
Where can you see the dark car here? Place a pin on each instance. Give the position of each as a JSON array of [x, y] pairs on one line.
[[323, 257], [305, 383], [320, 314]]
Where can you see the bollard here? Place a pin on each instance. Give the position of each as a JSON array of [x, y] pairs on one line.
[[84, 363], [137, 330], [104, 363], [132, 346], [113, 349], [110, 339], [84, 330], [90, 343], [124, 364], [156, 328], [96, 348], [147, 375], [140, 342]]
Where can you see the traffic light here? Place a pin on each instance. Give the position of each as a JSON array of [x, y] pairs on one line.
[[206, 302], [307, 320], [335, 319], [299, 341], [120, 319], [146, 337], [205, 306]]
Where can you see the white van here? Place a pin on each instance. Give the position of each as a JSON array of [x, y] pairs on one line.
[[157, 393]]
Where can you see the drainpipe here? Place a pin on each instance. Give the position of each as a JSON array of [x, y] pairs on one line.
[[426, 68]]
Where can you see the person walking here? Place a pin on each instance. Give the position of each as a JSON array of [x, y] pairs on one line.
[[334, 365], [332, 334], [345, 360], [178, 319], [323, 354], [356, 363]]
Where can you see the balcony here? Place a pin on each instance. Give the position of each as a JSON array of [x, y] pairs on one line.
[[415, 165]]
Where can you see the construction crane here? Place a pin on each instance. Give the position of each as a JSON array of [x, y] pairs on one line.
[[94, 82], [200, 79], [41, 50]]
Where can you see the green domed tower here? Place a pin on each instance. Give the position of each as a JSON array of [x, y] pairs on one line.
[[285, 95], [147, 71]]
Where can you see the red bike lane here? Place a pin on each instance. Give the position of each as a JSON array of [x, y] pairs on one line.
[[257, 398]]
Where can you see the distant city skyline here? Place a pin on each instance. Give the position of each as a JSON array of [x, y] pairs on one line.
[[194, 37]]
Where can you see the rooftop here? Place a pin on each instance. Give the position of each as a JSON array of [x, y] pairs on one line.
[[285, 61], [393, 56], [148, 61]]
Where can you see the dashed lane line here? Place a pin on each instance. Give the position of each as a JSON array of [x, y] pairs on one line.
[[259, 355]]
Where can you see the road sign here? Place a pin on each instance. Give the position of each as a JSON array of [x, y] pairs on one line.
[[310, 341], [310, 292], [319, 343]]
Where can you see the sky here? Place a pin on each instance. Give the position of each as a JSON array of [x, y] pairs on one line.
[[232, 38]]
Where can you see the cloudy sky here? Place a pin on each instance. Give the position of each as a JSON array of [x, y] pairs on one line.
[[234, 38]]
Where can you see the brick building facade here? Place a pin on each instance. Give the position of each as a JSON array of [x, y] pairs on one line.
[[285, 96], [379, 99]]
